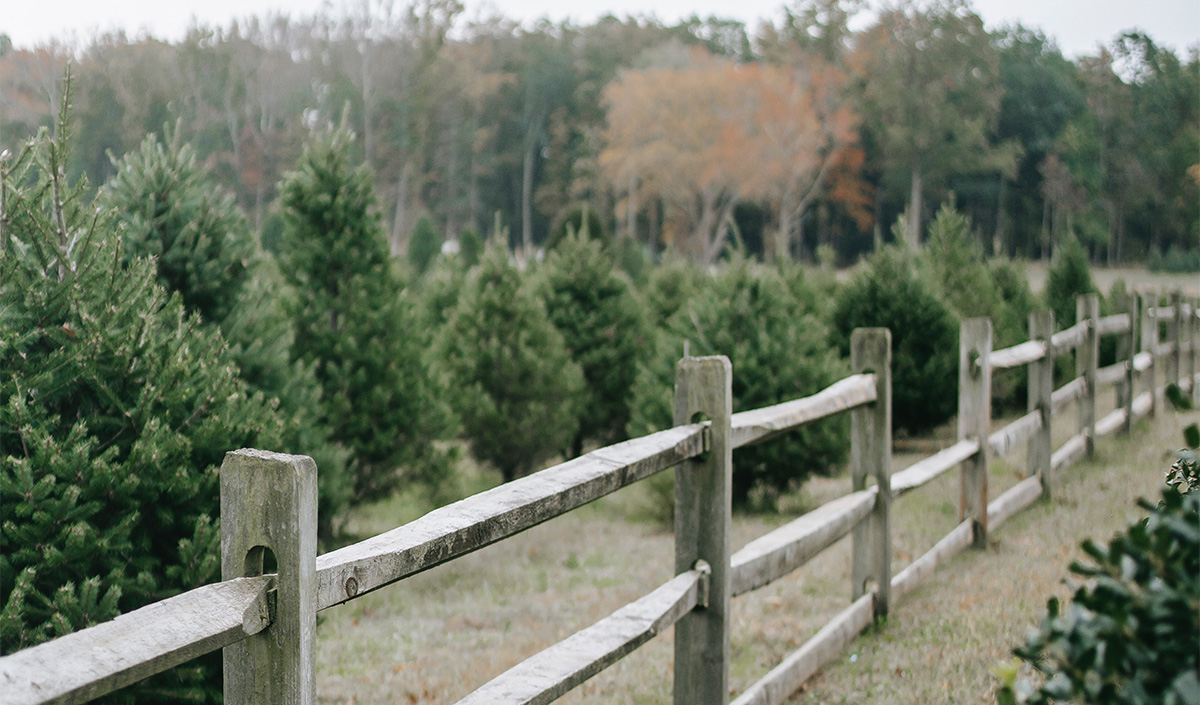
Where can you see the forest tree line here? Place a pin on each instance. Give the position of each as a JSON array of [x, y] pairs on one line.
[[786, 137]]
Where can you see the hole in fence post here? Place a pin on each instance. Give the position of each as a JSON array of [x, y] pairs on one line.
[[260, 560]]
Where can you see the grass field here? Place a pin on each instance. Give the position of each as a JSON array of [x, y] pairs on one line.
[[439, 635]]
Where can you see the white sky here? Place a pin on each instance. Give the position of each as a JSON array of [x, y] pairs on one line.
[[1078, 25]]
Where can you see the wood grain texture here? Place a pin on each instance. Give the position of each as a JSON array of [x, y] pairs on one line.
[[785, 549], [761, 424], [1041, 399], [929, 468], [92, 662], [482, 519], [703, 526], [871, 458], [974, 419], [548, 675]]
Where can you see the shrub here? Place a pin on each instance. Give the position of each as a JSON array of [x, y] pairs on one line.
[[888, 293], [1175, 260], [470, 247], [1132, 632], [516, 389], [779, 350], [603, 327], [116, 409]]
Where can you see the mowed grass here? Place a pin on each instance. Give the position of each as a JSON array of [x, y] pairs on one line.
[[437, 636]]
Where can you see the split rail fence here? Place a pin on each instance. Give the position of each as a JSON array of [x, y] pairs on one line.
[[266, 624]]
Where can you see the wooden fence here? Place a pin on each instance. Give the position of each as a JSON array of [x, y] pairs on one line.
[[266, 624]]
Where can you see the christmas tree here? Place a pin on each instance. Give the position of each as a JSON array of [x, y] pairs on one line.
[[116, 409]]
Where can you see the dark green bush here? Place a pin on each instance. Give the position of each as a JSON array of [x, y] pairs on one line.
[[1068, 278], [1131, 634], [888, 293], [1175, 260]]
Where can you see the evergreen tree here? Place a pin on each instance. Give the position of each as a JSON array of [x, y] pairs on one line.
[[470, 247], [516, 389], [116, 409], [888, 293], [604, 329], [779, 350], [1068, 278], [356, 324], [166, 207], [424, 246]]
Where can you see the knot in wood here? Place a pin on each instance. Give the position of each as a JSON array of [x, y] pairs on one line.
[[351, 586]]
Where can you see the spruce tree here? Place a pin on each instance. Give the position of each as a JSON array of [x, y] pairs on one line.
[[888, 293], [116, 409], [779, 350], [166, 206], [424, 246], [356, 323], [517, 391], [603, 325]]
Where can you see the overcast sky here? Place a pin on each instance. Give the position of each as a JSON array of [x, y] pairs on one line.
[[1078, 25]]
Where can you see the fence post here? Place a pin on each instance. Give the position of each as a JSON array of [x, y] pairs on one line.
[[1193, 329], [703, 492], [871, 455], [1041, 387], [269, 502], [1126, 348], [1175, 333], [1087, 355], [1150, 345], [974, 417]]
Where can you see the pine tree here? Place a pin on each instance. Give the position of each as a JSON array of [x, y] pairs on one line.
[[516, 389], [888, 293], [166, 206], [116, 409], [604, 329], [355, 322], [779, 350], [424, 246]]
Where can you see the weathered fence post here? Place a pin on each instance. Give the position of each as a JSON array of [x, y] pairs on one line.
[[703, 495], [974, 417], [269, 502], [1193, 328], [1150, 345], [1175, 338], [871, 456], [1087, 355], [1126, 349], [1041, 387]]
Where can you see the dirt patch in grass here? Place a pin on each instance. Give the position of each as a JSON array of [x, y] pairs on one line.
[[439, 635]]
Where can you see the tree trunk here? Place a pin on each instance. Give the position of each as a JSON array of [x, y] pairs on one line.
[[914, 215]]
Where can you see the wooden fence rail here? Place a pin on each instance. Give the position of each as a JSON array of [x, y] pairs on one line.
[[266, 624]]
